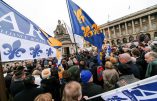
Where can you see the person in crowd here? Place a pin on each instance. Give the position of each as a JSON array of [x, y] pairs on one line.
[[37, 76], [114, 61], [88, 87], [30, 66], [75, 72], [30, 91], [126, 75], [38, 67], [13, 67], [110, 76], [44, 97], [50, 83], [17, 84], [151, 58], [64, 64], [96, 70], [8, 79], [50, 64], [139, 62], [72, 92], [65, 79], [70, 62], [125, 58], [82, 65]]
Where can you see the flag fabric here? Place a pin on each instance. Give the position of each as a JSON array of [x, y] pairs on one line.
[[84, 26], [22, 39], [79, 39], [145, 90], [108, 51]]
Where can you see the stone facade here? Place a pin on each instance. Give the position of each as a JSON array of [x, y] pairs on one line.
[[62, 35], [126, 29]]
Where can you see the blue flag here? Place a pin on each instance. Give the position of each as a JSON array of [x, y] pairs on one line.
[[84, 26]]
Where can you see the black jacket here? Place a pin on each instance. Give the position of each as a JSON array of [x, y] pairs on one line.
[[29, 93], [16, 87], [52, 86], [91, 89], [135, 69]]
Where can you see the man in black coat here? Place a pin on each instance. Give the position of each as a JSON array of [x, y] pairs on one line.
[[50, 83], [125, 58], [30, 92], [88, 87], [17, 84]]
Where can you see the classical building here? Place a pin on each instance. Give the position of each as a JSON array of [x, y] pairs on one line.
[[126, 29], [62, 35]]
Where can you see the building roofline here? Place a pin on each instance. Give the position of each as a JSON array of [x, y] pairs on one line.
[[130, 15]]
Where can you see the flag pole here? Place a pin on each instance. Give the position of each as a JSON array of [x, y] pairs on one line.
[[72, 27], [3, 96]]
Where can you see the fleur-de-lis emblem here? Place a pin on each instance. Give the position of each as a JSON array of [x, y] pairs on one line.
[[87, 32], [96, 29], [35, 51], [80, 17], [49, 52], [14, 49]]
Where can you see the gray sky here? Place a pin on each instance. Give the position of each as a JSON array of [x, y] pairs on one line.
[[45, 13]]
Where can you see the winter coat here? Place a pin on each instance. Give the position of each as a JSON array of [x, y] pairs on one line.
[[52, 86], [110, 77], [16, 87], [29, 93], [91, 89]]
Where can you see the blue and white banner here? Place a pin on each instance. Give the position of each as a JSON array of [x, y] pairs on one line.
[[21, 39], [145, 90]]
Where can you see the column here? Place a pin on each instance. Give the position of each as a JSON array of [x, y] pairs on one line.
[[126, 28], [133, 27], [109, 33], [120, 32], [140, 23], [150, 24], [114, 31]]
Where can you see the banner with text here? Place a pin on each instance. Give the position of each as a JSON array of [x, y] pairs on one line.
[[22, 39]]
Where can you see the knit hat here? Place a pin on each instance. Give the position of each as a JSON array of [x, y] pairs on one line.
[[46, 73], [85, 76]]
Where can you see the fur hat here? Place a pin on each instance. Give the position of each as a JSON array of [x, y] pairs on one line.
[[46, 73], [85, 76]]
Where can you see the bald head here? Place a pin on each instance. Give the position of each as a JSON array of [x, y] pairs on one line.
[[150, 56], [124, 58]]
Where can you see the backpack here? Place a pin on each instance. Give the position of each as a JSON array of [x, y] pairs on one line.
[[100, 70]]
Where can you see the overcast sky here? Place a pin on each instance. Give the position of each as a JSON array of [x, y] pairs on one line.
[[45, 13]]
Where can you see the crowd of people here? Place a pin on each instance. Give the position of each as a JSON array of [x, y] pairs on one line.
[[79, 76]]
